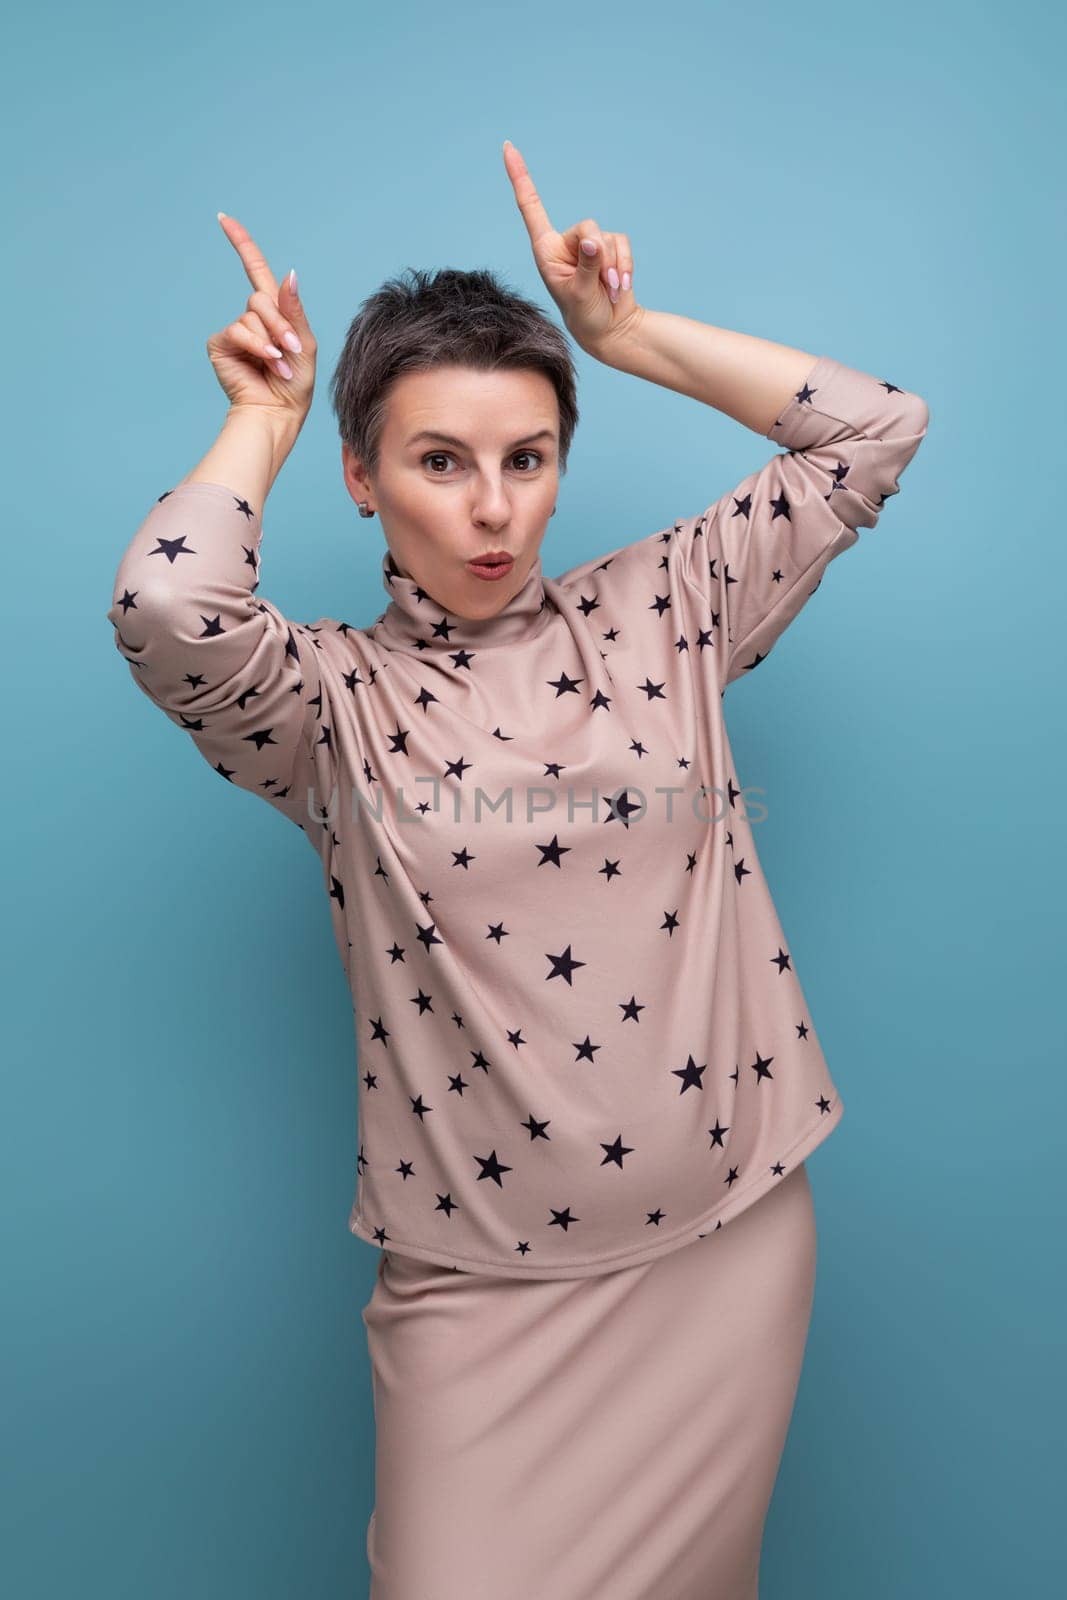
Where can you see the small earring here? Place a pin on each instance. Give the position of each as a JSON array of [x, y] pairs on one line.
[[364, 509], [552, 513]]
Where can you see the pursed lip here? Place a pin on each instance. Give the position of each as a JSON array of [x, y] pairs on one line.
[[492, 557]]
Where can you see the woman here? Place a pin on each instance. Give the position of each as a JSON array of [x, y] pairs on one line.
[[583, 1044]]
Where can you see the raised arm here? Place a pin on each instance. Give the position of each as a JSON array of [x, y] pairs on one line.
[[221, 661], [758, 553], [225, 665]]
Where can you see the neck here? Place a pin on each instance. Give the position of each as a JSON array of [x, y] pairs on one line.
[[413, 619]]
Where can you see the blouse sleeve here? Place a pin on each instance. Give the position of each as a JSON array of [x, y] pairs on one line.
[[243, 681], [758, 554]]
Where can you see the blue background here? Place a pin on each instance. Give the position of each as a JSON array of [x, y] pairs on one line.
[[186, 1407]]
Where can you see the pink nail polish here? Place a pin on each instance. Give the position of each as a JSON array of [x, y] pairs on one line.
[[626, 280]]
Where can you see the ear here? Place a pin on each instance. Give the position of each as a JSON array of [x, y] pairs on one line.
[[356, 481]]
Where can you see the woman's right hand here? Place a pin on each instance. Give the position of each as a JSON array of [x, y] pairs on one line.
[[249, 373]]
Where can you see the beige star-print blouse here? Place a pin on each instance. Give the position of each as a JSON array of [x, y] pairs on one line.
[[581, 1038]]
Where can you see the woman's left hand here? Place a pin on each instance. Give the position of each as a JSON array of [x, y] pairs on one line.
[[593, 289]]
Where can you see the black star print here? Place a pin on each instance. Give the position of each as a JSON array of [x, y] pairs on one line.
[[172, 549], [615, 1151], [552, 851], [562, 965], [690, 1075], [564, 685], [621, 808], [491, 1168], [761, 1067]]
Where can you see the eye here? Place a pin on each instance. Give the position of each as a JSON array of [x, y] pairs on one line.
[[444, 455]]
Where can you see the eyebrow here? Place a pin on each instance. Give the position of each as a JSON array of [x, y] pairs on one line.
[[460, 444]]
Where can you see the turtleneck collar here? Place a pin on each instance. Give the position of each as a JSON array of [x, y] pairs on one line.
[[414, 619]]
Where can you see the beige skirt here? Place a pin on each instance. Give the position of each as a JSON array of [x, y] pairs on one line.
[[571, 1439]]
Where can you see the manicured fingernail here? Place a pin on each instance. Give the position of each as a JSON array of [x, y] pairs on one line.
[[589, 246], [613, 277], [291, 342], [284, 368], [272, 350], [626, 280]]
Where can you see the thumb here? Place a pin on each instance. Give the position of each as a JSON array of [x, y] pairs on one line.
[[588, 264]]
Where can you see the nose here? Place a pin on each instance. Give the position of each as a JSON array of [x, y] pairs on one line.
[[490, 507]]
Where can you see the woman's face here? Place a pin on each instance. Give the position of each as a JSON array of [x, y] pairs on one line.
[[488, 485]]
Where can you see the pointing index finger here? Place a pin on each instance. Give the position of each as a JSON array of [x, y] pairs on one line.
[[259, 274], [529, 201]]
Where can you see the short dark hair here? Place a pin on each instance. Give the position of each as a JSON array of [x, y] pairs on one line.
[[446, 317]]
